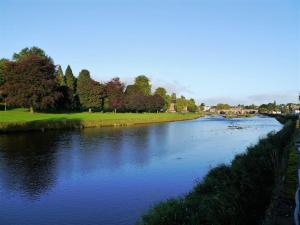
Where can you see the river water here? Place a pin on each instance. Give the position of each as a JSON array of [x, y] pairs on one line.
[[111, 176]]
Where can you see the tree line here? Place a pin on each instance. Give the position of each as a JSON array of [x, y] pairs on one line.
[[31, 79]]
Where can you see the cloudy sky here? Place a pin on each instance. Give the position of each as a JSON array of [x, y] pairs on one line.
[[235, 51]]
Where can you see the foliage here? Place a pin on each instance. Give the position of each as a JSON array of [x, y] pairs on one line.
[[70, 79], [115, 95], [231, 195], [30, 82], [61, 77], [291, 179], [67, 101], [66, 93], [2, 65], [137, 101], [163, 93], [181, 103], [222, 106], [202, 106], [267, 108], [155, 103], [191, 105], [252, 106], [143, 83], [26, 52], [90, 92]]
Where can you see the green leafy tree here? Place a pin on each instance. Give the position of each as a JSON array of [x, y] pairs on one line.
[[25, 52], [60, 77], [222, 106], [181, 103], [163, 93], [91, 93], [191, 105], [70, 79], [202, 106], [131, 89], [143, 83], [267, 108]]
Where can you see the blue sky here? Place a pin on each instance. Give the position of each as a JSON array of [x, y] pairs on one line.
[[238, 51]]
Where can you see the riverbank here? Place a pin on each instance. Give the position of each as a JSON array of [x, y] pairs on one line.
[[22, 120], [239, 193]]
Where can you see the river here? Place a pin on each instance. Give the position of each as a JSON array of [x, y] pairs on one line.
[[111, 176]]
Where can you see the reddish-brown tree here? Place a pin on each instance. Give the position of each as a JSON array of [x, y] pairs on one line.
[[115, 95], [30, 82]]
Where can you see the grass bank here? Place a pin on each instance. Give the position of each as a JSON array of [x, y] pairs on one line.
[[22, 120], [281, 210], [240, 193]]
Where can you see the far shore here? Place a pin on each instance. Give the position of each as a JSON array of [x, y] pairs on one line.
[[233, 116], [22, 120]]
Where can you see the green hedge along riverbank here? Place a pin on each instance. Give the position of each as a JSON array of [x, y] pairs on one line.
[[22, 120], [239, 194]]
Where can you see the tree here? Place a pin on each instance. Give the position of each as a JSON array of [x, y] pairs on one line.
[[30, 82], [181, 103], [70, 79], [2, 65], [202, 106], [115, 94], [131, 89], [155, 103], [135, 100], [163, 93], [267, 108], [68, 101], [143, 83], [60, 77], [191, 105], [25, 52], [90, 92], [222, 106]]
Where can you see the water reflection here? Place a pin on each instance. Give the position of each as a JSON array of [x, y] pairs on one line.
[[27, 162]]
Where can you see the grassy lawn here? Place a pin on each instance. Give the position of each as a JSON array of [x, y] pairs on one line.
[[22, 115]]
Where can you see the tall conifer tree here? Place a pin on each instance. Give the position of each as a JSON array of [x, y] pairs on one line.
[[60, 77], [70, 79]]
